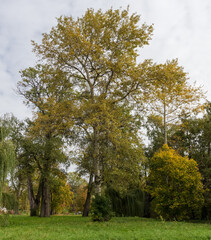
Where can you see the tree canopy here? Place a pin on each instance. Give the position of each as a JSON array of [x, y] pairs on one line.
[[170, 96], [97, 53]]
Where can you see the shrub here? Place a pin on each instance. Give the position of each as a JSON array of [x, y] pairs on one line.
[[4, 217], [175, 185], [101, 209]]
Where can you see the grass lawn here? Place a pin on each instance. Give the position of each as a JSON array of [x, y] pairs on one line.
[[75, 227]]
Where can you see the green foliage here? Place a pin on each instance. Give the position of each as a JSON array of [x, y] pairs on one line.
[[75, 181], [123, 158], [101, 209], [128, 204], [7, 152], [9, 201], [194, 138], [78, 186], [175, 185], [61, 195], [4, 220], [155, 134]]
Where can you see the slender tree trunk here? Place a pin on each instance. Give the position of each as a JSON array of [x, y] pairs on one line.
[[98, 187], [52, 211], [98, 183], [17, 207], [73, 206], [209, 149], [165, 124], [88, 197], [147, 203], [45, 200], [17, 198]]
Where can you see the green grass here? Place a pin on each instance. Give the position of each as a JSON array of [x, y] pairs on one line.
[[74, 227]]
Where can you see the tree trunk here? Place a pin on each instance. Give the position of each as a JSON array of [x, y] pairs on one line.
[[17, 198], [165, 124], [98, 187], [98, 183], [88, 197], [147, 203], [34, 203], [46, 197], [45, 200]]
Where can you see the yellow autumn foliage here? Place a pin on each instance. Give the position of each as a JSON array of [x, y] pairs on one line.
[[175, 185], [61, 194]]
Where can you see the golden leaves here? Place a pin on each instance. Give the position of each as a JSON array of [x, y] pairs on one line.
[[175, 184]]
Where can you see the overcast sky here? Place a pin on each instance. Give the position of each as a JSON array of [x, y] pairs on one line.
[[181, 30]]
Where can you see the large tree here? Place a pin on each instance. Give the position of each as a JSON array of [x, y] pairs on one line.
[[43, 145], [98, 53]]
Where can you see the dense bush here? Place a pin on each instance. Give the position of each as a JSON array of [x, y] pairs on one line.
[[9, 201], [175, 185], [129, 204], [4, 217], [101, 209]]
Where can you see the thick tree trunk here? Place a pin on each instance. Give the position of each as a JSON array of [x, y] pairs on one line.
[[46, 197], [34, 202], [45, 200], [88, 197]]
